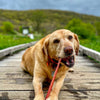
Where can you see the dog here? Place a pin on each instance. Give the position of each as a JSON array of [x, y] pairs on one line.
[[41, 60]]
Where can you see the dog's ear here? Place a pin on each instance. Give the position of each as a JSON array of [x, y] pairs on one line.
[[76, 44], [45, 47]]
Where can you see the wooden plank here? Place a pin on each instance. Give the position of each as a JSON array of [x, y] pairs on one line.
[[14, 63], [64, 95], [15, 57], [19, 54], [20, 80], [84, 69], [26, 84], [10, 63], [10, 60], [77, 60], [82, 84], [77, 67], [69, 75]]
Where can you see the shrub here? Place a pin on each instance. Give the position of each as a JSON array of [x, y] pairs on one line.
[[8, 27], [97, 26], [20, 29], [38, 17], [84, 30]]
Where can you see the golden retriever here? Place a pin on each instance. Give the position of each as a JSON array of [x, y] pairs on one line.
[[41, 60]]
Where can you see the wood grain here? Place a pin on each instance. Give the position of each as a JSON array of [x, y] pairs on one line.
[[82, 84]]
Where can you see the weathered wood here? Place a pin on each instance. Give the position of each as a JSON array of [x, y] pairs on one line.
[[79, 69], [64, 95], [92, 53], [82, 84], [13, 49]]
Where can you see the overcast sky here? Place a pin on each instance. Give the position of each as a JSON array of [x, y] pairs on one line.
[[91, 7]]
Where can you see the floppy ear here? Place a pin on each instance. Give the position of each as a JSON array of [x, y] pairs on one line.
[[45, 47], [76, 44]]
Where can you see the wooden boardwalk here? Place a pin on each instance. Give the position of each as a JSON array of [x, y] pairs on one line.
[[82, 84]]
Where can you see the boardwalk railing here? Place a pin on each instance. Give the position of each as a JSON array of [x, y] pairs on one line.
[[83, 50], [89, 52], [11, 50]]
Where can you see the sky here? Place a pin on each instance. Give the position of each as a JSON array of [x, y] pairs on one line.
[[91, 7]]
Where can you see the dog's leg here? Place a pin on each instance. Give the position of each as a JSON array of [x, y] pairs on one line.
[[71, 70], [39, 77], [23, 67], [56, 88], [37, 83]]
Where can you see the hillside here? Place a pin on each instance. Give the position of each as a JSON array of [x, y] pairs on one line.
[[46, 21], [53, 19]]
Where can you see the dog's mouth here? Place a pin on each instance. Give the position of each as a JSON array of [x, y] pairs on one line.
[[68, 61]]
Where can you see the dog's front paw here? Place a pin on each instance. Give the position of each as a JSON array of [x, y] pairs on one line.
[[52, 98], [48, 98], [39, 98], [71, 70]]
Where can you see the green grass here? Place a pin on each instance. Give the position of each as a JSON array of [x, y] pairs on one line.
[[53, 19], [12, 40], [91, 43]]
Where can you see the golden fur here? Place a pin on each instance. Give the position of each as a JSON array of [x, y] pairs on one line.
[[35, 61]]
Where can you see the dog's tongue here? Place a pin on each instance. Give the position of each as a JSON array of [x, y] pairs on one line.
[[72, 60], [67, 62]]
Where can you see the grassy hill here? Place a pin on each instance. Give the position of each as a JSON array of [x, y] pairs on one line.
[[46, 21], [53, 19]]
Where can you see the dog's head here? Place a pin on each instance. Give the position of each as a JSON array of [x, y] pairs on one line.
[[62, 44]]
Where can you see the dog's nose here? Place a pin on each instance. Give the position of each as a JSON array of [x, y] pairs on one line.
[[68, 50]]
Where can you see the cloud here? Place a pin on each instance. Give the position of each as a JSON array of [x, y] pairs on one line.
[[81, 6]]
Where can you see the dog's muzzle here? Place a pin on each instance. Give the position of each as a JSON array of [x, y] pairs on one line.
[[68, 61], [68, 50]]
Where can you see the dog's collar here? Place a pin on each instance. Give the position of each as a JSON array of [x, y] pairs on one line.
[[52, 62]]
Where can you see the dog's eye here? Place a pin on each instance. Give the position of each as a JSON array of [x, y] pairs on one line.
[[56, 41], [70, 37]]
